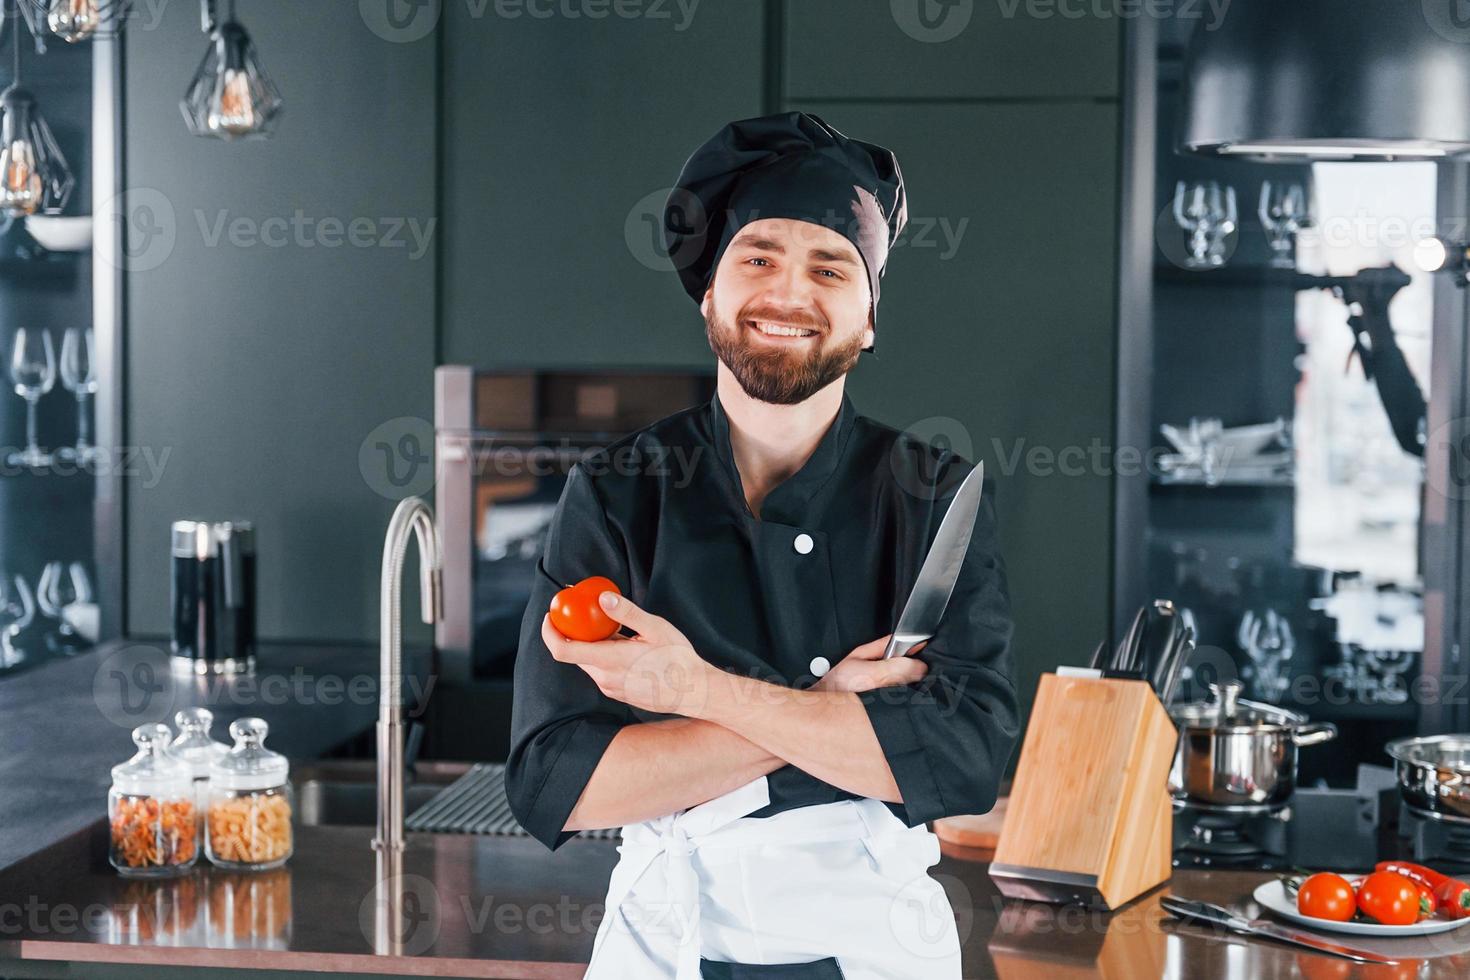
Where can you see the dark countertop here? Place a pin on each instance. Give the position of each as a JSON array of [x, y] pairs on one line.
[[492, 906], [65, 724], [505, 907]]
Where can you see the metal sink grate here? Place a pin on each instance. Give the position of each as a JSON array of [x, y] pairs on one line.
[[475, 803]]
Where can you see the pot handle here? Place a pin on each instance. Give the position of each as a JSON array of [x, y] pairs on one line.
[[1314, 734]]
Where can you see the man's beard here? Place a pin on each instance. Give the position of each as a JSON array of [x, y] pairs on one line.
[[771, 374]]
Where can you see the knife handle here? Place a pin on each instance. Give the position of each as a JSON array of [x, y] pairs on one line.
[[900, 644]]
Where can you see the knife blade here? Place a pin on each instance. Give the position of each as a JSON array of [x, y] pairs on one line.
[[1216, 915], [1158, 639], [1177, 660], [932, 589]]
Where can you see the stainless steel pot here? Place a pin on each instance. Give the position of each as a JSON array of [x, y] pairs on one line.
[[1434, 772], [1239, 754]]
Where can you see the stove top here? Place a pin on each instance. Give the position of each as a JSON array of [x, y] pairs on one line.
[[1323, 830], [1433, 838]]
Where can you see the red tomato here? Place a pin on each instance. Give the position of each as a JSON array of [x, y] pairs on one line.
[[1389, 898], [1326, 896], [576, 614]]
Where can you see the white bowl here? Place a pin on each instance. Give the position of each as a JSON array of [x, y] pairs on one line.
[[61, 234]]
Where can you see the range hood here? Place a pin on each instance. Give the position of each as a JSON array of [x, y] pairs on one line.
[[1294, 80]]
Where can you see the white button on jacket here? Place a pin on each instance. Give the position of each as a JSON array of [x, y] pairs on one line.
[[803, 543], [819, 666]]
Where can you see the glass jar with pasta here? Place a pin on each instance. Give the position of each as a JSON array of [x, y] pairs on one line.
[[194, 747], [248, 825], [150, 809]]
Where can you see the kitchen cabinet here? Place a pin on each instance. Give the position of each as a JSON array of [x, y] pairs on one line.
[[562, 137], [950, 49], [262, 359], [996, 333], [54, 520]]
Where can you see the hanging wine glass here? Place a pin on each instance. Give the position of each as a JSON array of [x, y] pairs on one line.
[[33, 372], [17, 610], [57, 591], [81, 582], [79, 376], [1226, 222], [1209, 215], [1283, 213], [82, 613]]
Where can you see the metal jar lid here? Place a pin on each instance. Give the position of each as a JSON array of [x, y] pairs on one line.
[[205, 539]]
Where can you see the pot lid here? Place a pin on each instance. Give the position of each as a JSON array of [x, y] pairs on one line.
[[1437, 751], [1230, 711]]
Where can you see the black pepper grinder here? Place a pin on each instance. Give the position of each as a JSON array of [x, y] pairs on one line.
[[213, 597]]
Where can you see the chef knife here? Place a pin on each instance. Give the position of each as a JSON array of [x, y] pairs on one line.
[[1216, 915], [930, 596]]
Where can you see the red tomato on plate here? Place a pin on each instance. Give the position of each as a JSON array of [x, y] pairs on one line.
[[1327, 896], [1389, 898], [576, 614]]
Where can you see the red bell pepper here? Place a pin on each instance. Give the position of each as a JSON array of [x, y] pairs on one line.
[[1452, 894]]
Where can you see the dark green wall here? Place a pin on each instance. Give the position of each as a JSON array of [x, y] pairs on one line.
[[559, 137], [997, 318], [261, 369], [1008, 342], [561, 140]]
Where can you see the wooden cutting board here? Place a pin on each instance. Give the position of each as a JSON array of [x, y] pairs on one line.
[[977, 832]]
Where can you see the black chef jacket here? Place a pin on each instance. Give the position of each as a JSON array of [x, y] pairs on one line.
[[826, 567]]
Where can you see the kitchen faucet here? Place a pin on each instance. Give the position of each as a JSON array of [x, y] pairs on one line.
[[412, 516]]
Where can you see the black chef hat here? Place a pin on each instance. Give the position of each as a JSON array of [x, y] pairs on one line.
[[791, 165]]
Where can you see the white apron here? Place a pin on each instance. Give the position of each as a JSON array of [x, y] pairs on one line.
[[846, 880]]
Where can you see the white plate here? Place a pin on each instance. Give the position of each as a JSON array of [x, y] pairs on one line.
[[1272, 896]]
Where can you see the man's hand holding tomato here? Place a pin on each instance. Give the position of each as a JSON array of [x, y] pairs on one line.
[[658, 670]]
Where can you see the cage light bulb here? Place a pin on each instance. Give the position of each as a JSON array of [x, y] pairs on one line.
[[74, 20], [20, 181], [233, 107]]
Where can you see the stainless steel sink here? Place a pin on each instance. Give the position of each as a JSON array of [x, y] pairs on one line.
[[345, 792], [353, 804]]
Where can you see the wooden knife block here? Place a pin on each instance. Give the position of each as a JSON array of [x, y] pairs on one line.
[[1090, 819]]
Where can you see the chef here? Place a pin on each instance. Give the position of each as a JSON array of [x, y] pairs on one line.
[[771, 773]]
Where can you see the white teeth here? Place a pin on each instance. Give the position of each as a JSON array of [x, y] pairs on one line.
[[778, 331]]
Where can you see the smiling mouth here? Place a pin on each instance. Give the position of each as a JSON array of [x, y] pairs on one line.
[[779, 331]]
